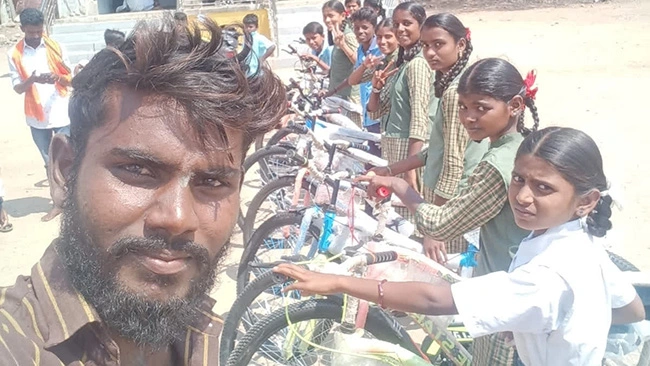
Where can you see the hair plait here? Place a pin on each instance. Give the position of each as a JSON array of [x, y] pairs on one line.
[[442, 82], [521, 127], [598, 220]]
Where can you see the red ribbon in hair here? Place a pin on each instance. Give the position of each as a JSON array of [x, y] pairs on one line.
[[468, 34], [529, 82]]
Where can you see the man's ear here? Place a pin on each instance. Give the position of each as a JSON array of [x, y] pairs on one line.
[[587, 203], [60, 167]]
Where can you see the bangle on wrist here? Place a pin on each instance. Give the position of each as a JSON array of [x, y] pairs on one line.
[[380, 291], [390, 171], [376, 90]]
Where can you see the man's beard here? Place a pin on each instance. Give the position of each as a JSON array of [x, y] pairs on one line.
[[93, 272]]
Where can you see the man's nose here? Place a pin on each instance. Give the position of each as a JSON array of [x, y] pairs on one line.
[[173, 212]]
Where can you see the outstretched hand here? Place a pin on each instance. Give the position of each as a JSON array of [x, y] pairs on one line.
[[380, 76], [339, 37], [372, 61], [308, 282]]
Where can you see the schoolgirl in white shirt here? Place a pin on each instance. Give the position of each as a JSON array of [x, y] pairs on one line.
[[561, 293]]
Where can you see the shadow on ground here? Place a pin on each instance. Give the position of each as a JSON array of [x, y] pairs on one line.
[[21, 207]]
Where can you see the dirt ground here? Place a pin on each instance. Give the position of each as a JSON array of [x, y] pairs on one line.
[[593, 70]]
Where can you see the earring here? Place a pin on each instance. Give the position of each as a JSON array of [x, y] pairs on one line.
[[581, 213]]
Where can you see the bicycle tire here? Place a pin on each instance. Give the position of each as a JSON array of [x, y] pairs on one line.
[[257, 158], [279, 220], [266, 152], [625, 265], [622, 263], [377, 323], [263, 194], [281, 134], [239, 309]]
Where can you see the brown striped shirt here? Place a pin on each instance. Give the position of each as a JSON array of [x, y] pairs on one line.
[[45, 321]]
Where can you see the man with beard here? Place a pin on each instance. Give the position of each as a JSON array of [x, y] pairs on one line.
[[149, 184]]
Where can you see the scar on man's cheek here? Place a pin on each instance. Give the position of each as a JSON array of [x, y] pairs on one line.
[[216, 205]]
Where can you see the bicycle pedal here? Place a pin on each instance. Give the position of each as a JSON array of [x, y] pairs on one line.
[[294, 258]]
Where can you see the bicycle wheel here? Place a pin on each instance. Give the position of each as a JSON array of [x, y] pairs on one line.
[[625, 265], [276, 196], [259, 299], [272, 162], [260, 168], [275, 238], [268, 336], [281, 135], [622, 263]]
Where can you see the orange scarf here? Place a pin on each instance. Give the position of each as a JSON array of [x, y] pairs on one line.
[[33, 107]]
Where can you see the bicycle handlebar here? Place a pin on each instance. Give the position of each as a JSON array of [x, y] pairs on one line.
[[381, 257]]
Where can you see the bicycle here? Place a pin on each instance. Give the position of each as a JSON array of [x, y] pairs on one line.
[[286, 190], [410, 265]]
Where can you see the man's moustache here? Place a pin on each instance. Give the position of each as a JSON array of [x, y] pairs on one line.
[[132, 244]]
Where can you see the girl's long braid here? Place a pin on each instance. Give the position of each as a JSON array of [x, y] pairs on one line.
[[406, 56], [521, 127], [442, 81]]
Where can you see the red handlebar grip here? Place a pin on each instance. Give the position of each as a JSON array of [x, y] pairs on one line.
[[383, 192]]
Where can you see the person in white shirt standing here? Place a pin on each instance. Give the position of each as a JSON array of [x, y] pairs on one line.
[[561, 293], [39, 70]]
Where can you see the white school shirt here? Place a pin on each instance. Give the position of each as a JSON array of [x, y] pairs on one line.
[[55, 107], [557, 299]]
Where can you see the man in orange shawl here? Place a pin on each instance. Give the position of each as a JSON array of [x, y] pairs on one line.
[[38, 70]]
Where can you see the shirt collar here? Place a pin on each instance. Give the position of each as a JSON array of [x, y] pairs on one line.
[[532, 246], [373, 45], [515, 136], [66, 311], [42, 44]]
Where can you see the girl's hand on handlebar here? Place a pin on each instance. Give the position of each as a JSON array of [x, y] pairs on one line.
[[307, 57], [380, 170], [376, 181], [307, 282], [435, 249]]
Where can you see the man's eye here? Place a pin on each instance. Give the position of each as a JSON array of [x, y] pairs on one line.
[[462, 107], [517, 179], [136, 169], [481, 108], [437, 45], [212, 182], [543, 187]]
